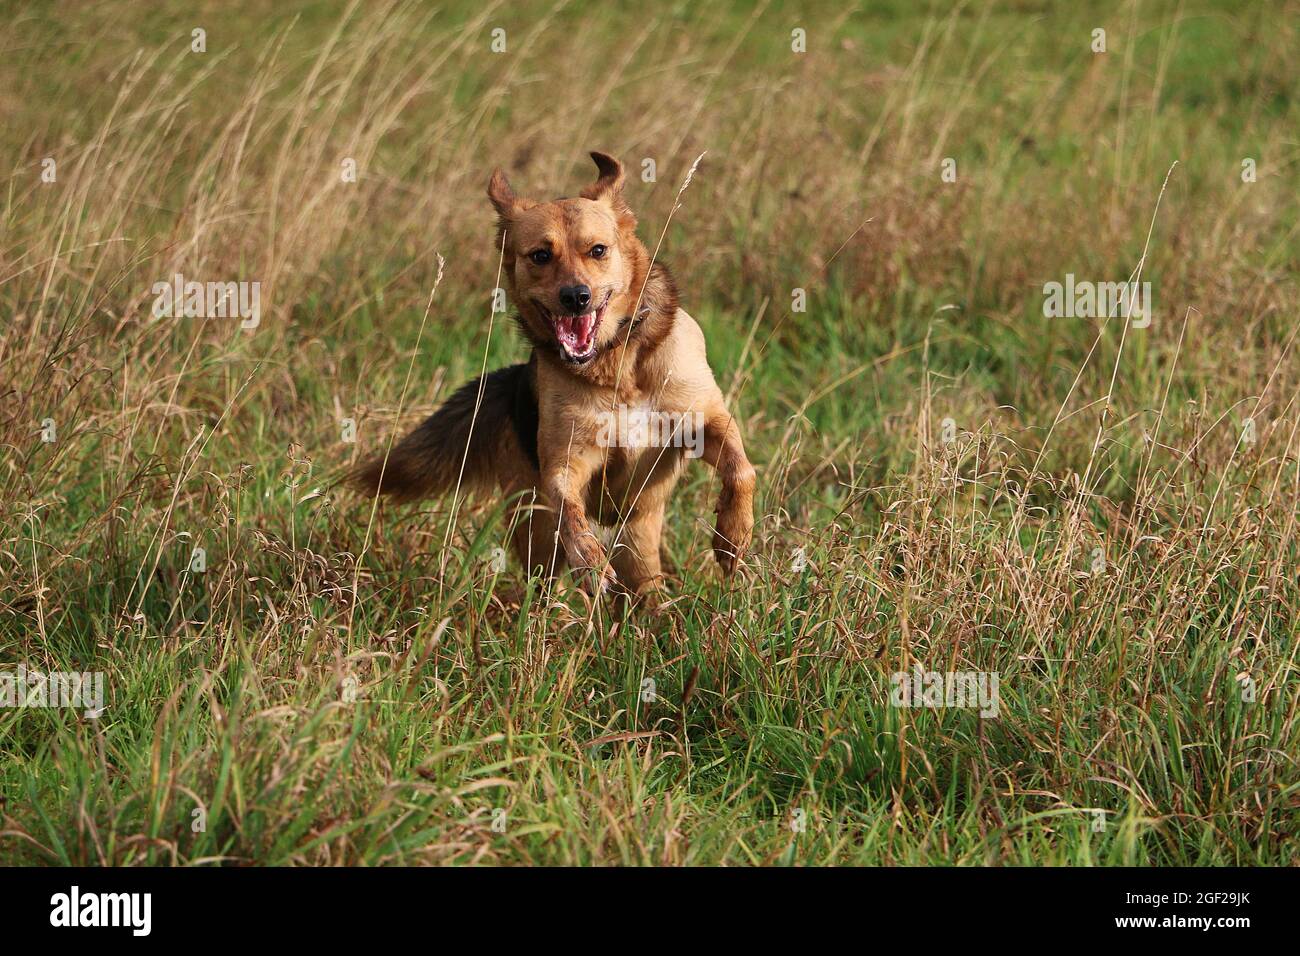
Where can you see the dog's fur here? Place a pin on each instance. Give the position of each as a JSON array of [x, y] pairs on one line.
[[533, 428]]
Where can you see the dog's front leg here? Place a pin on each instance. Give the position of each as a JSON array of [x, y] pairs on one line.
[[564, 481], [724, 450]]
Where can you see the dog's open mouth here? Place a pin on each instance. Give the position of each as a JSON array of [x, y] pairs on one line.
[[577, 333]]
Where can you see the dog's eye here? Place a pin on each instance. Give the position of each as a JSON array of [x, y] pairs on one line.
[[540, 256], [598, 251]]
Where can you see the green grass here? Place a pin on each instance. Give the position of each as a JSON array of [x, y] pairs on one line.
[[231, 691]]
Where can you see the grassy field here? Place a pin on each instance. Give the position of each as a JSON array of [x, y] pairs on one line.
[[1102, 513]]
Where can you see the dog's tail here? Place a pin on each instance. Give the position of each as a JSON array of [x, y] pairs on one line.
[[459, 445]]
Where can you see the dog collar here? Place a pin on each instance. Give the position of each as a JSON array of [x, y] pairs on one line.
[[634, 320]]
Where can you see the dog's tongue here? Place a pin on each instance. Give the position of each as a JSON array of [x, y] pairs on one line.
[[576, 332]]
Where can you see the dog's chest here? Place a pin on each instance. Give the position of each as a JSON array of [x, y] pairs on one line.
[[645, 447], [642, 432]]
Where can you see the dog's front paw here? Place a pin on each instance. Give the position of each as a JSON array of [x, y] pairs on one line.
[[732, 536], [598, 582], [590, 566]]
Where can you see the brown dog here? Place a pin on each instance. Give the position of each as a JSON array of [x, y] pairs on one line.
[[597, 426]]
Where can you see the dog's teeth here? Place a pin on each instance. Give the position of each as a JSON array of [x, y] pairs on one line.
[[577, 333]]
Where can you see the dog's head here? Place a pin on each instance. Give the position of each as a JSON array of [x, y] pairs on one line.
[[574, 267]]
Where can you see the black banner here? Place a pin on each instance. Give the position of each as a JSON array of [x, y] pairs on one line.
[[334, 906]]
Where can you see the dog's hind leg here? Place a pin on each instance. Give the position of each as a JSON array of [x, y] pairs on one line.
[[636, 551], [536, 534]]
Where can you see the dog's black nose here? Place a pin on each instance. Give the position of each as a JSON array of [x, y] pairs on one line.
[[575, 298]]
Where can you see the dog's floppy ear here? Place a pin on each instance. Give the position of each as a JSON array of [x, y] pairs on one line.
[[503, 197], [507, 204], [609, 187], [610, 184]]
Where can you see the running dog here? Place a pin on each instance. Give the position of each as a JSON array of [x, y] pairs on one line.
[[610, 345]]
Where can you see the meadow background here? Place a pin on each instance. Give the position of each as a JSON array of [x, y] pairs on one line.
[[345, 685]]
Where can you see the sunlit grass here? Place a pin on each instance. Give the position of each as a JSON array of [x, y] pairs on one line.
[[265, 711]]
